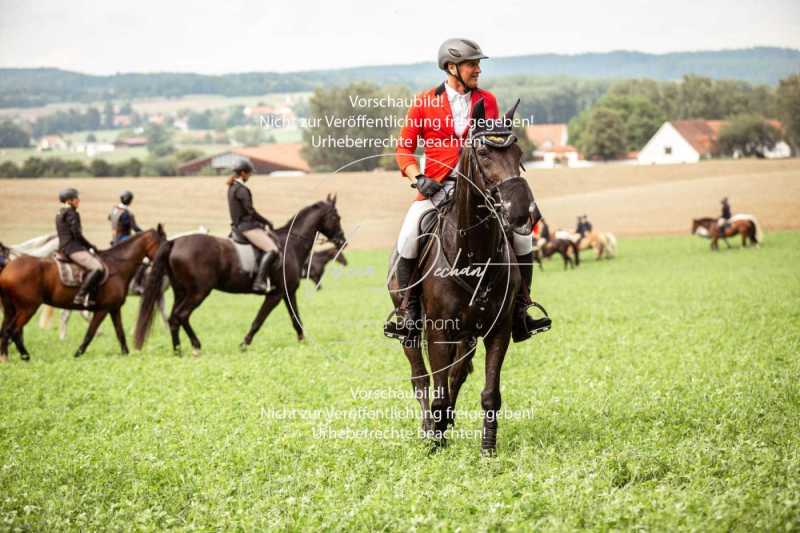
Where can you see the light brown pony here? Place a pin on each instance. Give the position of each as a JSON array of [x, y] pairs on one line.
[[604, 244], [28, 282], [744, 225]]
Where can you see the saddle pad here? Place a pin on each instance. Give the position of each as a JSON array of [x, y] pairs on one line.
[[247, 256], [72, 274]]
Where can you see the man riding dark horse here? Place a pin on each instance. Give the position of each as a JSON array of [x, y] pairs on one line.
[[725, 216], [246, 221], [441, 117], [123, 222], [77, 248]]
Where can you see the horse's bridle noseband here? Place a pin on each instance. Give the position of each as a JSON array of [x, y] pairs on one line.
[[501, 139]]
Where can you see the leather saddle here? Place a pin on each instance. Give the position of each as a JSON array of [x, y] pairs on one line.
[[71, 274], [249, 255]]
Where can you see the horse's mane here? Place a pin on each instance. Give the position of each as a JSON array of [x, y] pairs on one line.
[[300, 214], [705, 219], [110, 253]]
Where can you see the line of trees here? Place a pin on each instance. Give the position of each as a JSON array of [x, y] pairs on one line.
[[630, 113]]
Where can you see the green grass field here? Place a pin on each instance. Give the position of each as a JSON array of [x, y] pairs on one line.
[[665, 398]]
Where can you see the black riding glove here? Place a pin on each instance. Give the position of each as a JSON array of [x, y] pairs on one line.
[[427, 186]]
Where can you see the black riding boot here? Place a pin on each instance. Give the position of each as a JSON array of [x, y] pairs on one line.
[[524, 325], [261, 283], [406, 320], [86, 294]]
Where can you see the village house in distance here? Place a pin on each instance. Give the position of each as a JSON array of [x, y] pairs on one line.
[[689, 141]]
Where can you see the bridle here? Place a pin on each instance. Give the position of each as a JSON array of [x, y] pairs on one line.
[[310, 238], [497, 195]]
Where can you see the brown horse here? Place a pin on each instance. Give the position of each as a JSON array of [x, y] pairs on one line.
[[564, 247], [28, 282], [744, 225], [314, 267], [198, 264], [467, 278]]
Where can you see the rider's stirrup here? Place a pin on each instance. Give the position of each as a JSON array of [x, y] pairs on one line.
[[396, 326], [525, 333]]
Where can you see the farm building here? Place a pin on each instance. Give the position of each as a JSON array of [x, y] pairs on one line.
[[51, 142], [267, 159], [688, 141], [551, 145]]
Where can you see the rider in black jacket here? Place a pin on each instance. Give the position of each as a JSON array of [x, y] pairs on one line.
[[74, 245], [249, 222]]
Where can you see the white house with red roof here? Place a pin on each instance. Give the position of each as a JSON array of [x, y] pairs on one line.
[[688, 141]]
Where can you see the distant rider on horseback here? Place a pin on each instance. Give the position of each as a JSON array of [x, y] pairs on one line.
[[74, 245], [441, 117], [725, 218], [250, 224], [123, 222]]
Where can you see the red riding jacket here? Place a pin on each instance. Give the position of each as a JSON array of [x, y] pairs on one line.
[[431, 118]]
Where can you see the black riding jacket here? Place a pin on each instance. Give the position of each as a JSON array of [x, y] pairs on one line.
[[123, 223], [726, 211], [244, 217], [70, 234]]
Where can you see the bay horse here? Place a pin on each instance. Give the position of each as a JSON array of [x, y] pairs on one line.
[[547, 247], [314, 267], [27, 282], [468, 279], [744, 225], [198, 264]]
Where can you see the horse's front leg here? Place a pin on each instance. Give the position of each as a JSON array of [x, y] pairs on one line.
[[496, 346], [440, 353], [420, 381], [461, 368], [116, 318], [97, 319], [290, 299], [269, 303]]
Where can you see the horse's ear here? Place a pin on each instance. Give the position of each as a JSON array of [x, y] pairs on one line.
[[479, 114], [508, 120], [333, 199], [328, 197], [160, 230]]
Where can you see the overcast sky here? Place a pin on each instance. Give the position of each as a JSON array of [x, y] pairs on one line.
[[104, 37]]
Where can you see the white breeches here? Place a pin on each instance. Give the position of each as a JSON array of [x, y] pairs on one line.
[[408, 240]]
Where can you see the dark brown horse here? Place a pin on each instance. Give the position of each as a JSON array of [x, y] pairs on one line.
[[314, 267], [566, 248], [27, 282], [198, 264], [744, 225], [468, 280]]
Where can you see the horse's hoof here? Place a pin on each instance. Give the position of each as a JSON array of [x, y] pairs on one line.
[[489, 452], [77, 354], [195, 352], [301, 338], [243, 346], [25, 357]]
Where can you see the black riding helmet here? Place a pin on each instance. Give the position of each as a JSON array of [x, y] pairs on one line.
[[243, 165], [126, 197], [67, 194]]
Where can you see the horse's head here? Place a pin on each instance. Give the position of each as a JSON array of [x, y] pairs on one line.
[[496, 160], [330, 223], [700, 227]]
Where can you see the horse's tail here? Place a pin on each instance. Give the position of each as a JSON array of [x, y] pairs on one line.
[[152, 293], [576, 252], [759, 234], [611, 240]]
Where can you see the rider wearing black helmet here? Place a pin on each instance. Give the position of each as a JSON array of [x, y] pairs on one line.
[[123, 222], [74, 245], [247, 221]]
